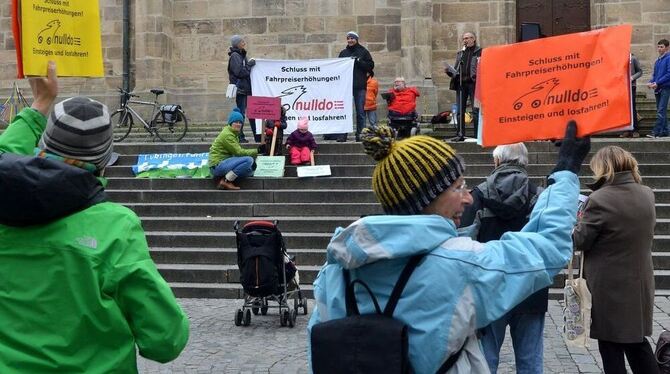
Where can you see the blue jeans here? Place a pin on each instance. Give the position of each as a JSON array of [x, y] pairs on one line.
[[372, 117], [526, 330], [661, 126], [241, 166], [359, 103]]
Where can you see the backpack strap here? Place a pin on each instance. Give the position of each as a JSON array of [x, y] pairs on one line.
[[400, 284], [350, 297], [451, 360]]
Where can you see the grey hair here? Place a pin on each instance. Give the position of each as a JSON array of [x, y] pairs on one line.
[[516, 153]]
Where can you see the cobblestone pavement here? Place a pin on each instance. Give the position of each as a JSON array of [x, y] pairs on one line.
[[218, 346]]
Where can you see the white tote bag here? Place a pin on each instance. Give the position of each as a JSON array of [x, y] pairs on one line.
[[231, 91], [577, 308]]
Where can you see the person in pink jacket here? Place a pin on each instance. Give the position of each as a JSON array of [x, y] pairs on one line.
[[301, 143]]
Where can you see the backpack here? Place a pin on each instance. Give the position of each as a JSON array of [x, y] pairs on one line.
[[663, 352], [369, 343]]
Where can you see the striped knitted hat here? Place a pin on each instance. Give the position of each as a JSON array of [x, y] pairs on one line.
[[79, 128], [412, 172]]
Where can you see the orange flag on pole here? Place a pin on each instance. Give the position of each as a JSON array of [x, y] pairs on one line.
[[530, 90]]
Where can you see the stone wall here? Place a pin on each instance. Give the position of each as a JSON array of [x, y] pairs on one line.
[[181, 45]]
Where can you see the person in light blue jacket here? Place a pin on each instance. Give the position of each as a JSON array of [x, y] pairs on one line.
[[461, 285]]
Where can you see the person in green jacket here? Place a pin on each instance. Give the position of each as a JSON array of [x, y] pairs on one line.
[[227, 159], [79, 292]]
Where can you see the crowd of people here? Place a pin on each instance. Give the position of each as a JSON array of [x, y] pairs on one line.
[[484, 258]]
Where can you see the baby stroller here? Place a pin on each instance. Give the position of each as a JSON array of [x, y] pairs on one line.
[[267, 274]]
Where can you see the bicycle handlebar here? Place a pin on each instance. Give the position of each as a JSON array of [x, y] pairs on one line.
[[126, 93]]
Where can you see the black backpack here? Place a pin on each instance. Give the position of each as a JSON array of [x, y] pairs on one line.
[[369, 343], [663, 352]]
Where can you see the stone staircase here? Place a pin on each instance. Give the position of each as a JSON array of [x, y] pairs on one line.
[[189, 223]]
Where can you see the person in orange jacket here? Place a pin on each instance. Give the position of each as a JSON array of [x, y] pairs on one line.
[[371, 99], [402, 99]]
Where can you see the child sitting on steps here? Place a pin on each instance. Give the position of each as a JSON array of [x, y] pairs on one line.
[[301, 144]]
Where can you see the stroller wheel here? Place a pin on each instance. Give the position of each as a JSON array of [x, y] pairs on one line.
[[284, 317], [304, 305], [247, 318], [255, 311], [238, 317], [292, 317]]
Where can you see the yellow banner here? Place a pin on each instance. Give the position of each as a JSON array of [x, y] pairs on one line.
[[65, 31]]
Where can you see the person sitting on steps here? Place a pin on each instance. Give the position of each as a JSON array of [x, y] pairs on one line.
[[227, 159], [402, 99], [270, 126], [301, 144]]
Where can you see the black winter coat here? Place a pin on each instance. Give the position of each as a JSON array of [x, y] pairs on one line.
[[239, 71], [362, 66]]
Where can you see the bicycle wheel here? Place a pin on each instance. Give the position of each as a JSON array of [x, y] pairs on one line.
[[122, 121], [172, 130]]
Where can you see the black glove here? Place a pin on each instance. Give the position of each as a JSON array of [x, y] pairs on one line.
[[251, 63], [573, 150]]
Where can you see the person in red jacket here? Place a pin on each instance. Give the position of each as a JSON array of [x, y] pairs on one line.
[[402, 99]]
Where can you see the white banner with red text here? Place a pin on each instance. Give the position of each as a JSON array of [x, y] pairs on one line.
[[320, 90]]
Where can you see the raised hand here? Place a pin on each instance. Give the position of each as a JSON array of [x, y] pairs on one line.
[[45, 90]]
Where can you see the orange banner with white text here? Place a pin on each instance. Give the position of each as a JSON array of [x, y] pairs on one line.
[[530, 90]]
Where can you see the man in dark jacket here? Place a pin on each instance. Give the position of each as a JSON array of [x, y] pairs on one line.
[[500, 204], [239, 74], [363, 65], [468, 58]]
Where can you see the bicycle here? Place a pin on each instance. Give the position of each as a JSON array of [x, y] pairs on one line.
[[168, 122]]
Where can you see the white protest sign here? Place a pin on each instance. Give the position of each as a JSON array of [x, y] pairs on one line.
[[313, 171], [320, 90]]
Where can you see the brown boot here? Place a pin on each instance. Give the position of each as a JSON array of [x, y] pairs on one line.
[[226, 185]]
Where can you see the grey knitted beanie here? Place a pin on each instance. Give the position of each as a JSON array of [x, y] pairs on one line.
[[79, 128], [235, 40]]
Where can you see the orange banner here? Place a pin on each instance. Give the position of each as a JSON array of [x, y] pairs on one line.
[[530, 90]]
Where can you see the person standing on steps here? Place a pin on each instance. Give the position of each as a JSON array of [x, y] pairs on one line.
[[239, 74], [466, 64], [227, 159], [660, 83], [635, 74], [371, 99], [362, 66]]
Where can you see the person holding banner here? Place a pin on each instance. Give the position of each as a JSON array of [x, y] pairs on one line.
[[660, 83], [635, 73], [463, 77], [79, 291], [363, 65], [239, 74], [227, 159], [460, 285]]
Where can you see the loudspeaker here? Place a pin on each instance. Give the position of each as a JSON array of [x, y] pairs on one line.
[[530, 31]]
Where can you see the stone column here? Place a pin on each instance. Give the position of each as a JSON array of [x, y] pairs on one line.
[[416, 62]]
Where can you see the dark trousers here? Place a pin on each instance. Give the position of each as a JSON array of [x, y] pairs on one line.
[[468, 95], [241, 101], [639, 355], [636, 125]]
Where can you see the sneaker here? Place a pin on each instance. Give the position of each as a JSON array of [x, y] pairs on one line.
[[226, 185], [651, 136], [244, 141], [635, 134]]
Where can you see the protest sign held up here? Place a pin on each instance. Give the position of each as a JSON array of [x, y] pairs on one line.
[[65, 31], [530, 90], [263, 107], [317, 89]]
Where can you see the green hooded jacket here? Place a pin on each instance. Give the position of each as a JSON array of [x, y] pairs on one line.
[[226, 145], [78, 289]]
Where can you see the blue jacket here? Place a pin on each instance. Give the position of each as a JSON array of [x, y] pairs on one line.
[[662, 72], [462, 285]]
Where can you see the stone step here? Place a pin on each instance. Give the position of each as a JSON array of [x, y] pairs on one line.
[[632, 145], [219, 224], [294, 183], [226, 239], [366, 170], [255, 210], [242, 196]]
